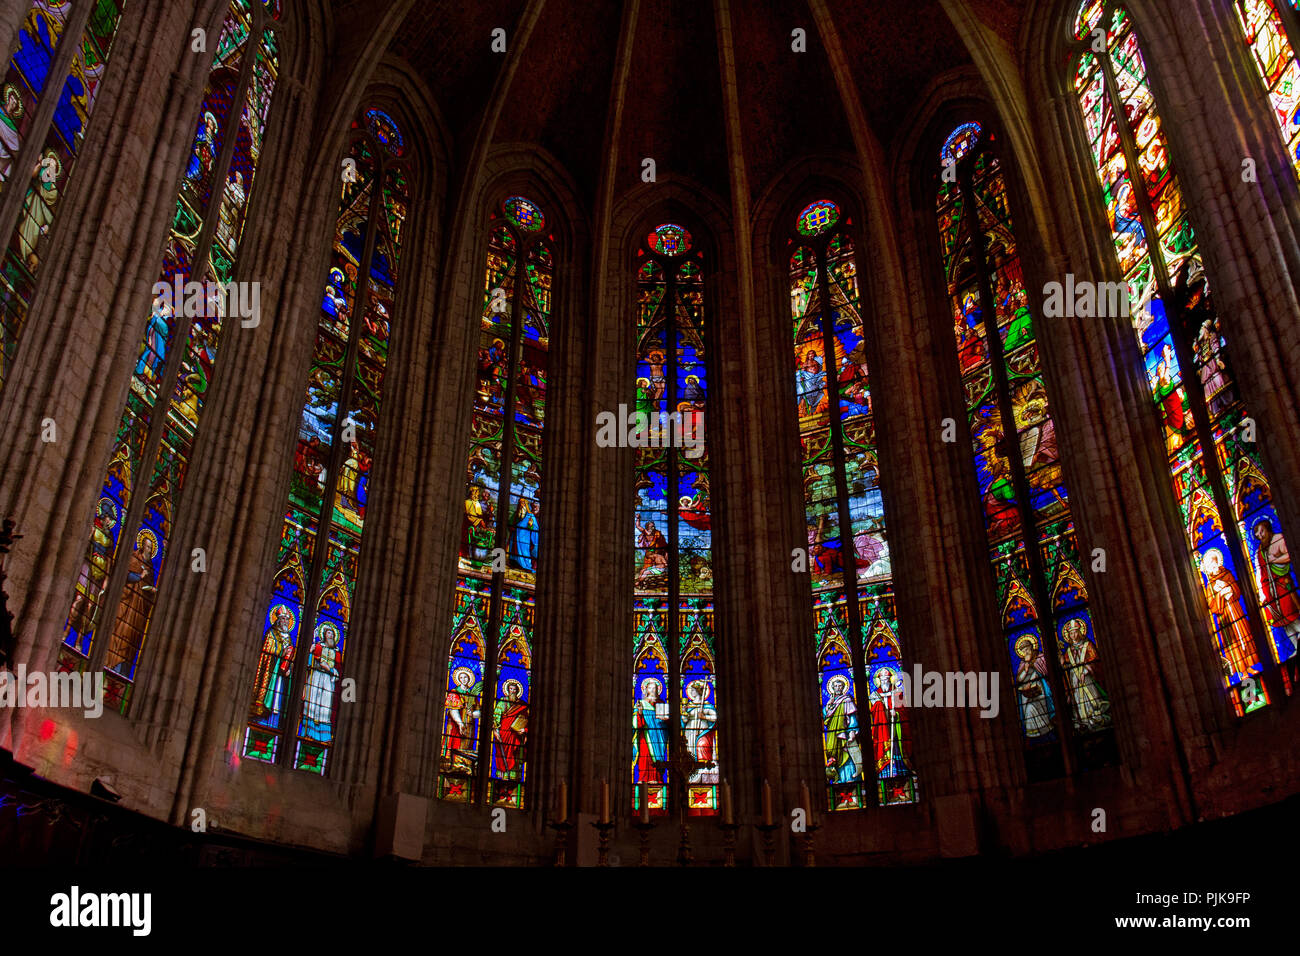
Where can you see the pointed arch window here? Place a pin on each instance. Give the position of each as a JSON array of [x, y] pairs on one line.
[[307, 632], [854, 615], [130, 537], [1272, 28], [47, 96], [674, 644], [1049, 640], [1236, 543], [488, 689]]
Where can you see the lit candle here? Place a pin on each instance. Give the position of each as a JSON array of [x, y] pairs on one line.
[[645, 803], [726, 803], [767, 804], [805, 801], [562, 803], [604, 801]]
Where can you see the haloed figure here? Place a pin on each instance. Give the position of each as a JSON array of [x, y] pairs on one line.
[[887, 724], [524, 531], [698, 719], [460, 726], [510, 731], [650, 733], [318, 708], [840, 733], [1035, 697], [137, 604], [274, 666], [1224, 597], [1277, 596], [1091, 705]]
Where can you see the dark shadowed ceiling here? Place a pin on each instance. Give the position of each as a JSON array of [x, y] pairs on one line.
[[561, 90]]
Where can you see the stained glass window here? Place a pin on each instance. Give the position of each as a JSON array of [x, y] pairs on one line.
[[489, 688], [1235, 537], [307, 631], [1271, 29], [674, 681], [49, 91], [959, 143], [133, 518], [818, 217], [384, 131], [1049, 641], [854, 616]]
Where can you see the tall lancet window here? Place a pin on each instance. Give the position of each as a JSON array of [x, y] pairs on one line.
[[489, 668], [1272, 27], [1047, 629], [854, 620], [305, 633], [132, 522], [47, 96], [674, 694], [1236, 541]]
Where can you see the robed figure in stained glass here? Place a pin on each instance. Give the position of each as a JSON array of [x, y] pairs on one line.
[[318, 708], [10, 137], [1224, 597], [479, 519], [137, 601], [887, 723], [274, 666], [524, 532], [840, 729], [205, 149], [1277, 596], [1173, 404], [810, 384], [38, 207], [1091, 706], [655, 561], [154, 356], [650, 733], [1032, 690], [699, 717], [460, 729], [509, 730], [101, 540]]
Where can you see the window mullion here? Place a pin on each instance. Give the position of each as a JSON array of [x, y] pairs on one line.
[[177, 349], [491, 642], [324, 521], [848, 552], [672, 627], [1045, 622], [1209, 452]]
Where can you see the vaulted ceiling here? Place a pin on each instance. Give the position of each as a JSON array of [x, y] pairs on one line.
[[560, 93]]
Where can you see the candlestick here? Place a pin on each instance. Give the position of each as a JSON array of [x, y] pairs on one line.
[[562, 803], [768, 833], [684, 855], [604, 801], [602, 848], [728, 842], [561, 829], [643, 828], [767, 803], [809, 848], [805, 801], [726, 802], [645, 803]]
